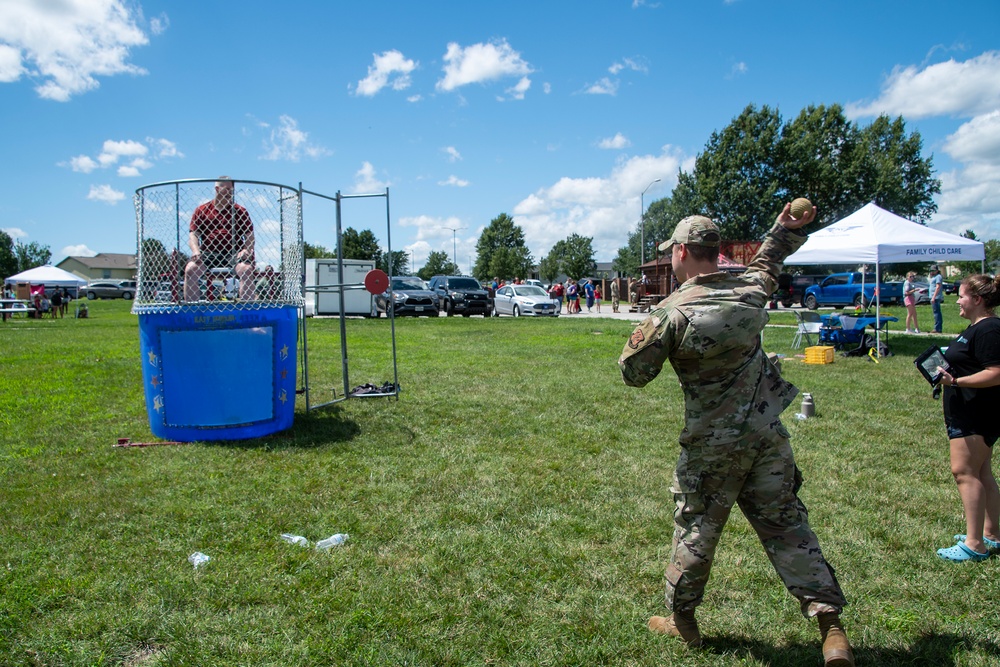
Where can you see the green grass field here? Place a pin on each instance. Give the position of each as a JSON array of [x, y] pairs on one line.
[[512, 508]]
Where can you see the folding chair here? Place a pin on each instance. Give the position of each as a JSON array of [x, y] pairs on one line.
[[810, 324]]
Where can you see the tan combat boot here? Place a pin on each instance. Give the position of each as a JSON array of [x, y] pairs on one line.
[[836, 648], [678, 624]]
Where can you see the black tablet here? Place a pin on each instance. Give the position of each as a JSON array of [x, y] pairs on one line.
[[928, 361]]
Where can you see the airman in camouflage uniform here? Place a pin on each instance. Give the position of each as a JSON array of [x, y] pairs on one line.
[[734, 449]]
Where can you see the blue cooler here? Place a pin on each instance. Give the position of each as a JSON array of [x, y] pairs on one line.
[[227, 374]]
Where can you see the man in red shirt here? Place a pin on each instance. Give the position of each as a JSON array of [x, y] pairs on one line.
[[221, 236]]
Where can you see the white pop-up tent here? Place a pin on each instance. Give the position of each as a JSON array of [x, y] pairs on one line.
[[872, 235], [48, 275]]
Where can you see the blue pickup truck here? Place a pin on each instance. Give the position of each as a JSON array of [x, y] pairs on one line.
[[848, 289]]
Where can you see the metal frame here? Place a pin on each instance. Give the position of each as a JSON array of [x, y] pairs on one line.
[[338, 199]]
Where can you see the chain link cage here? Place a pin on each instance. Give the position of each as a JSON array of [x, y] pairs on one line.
[[210, 245]]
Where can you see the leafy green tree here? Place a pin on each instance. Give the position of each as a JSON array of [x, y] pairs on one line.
[[889, 170], [361, 245], [736, 176], [317, 251], [574, 255], [438, 264], [30, 255], [400, 263], [8, 258], [549, 268], [501, 251], [992, 250]]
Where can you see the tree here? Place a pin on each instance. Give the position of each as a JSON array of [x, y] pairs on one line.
[[400, 263], [574, 256], [360, 245], [501, 251], [753, 166], [8, 258], [317, 251], [736, 178], [438, 264], [992, 249], [888, 170], [30, 255], [549, 268], [153, 258]]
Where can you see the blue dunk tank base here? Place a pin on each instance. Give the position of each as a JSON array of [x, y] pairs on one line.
[[228, 374]]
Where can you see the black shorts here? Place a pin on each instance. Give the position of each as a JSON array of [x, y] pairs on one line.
[[958, 428]]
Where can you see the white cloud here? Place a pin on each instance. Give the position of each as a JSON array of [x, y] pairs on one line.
[[453, 154], [634, 64], [950, 88], [517, 91], [455, 181], [414, 98], [164, 147], [738, 69], [15, 232], [159, 24], [603, 87], [106, 194], [546, 87], [978, 139], [366, 182], [970, 194], [616, 142], [83, 164], [598, 207], [11, 68], [437, 234], [80, 250], [114, 150], [391, 68], [288, 142], [480, 63], [67, 45]]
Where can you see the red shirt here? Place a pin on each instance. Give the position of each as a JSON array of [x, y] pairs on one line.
[[221, 232]]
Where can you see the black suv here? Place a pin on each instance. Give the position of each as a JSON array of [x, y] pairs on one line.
[[460, 295]]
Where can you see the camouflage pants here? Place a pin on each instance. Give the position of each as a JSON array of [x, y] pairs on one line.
[[758, 473]]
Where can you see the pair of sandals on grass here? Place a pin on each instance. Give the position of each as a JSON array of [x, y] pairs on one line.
[[960, 552]]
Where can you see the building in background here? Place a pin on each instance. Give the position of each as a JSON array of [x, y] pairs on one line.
[[102, 266]]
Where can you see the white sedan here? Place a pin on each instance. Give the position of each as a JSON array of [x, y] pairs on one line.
[[520, 300]]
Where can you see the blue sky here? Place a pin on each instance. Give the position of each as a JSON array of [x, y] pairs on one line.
[[557, 113]]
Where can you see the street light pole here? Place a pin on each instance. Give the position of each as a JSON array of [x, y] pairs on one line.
[[454, 254], [642, 224]]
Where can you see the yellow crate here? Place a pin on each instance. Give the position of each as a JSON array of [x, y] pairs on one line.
[[819, 354]]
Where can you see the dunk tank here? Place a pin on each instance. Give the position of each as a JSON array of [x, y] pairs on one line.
[[220, 301], [219, 288]]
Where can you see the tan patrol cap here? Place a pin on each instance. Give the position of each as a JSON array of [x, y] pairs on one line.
[[694, 230]]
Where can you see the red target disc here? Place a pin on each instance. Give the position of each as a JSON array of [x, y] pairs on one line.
[[376, 281]]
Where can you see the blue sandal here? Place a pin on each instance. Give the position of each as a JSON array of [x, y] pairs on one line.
[[992, 545], [960, 553]]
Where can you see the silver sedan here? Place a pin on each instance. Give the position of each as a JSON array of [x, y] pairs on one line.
[[518, 300]]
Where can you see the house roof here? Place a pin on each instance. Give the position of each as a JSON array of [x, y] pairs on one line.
[[107, 260]]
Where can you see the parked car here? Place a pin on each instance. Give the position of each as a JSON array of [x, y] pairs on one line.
[[109, 289], [528, 300], [924, 293], [952, 288], [850, 289], [408, 295], [460, 295]]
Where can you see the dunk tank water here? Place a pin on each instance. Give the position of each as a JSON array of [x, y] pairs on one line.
[[218, 298]]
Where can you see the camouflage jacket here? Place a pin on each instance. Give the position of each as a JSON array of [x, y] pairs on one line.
[[709, 329]]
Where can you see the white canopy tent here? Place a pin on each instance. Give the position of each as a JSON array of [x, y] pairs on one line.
[[872, 235], [47, 275]]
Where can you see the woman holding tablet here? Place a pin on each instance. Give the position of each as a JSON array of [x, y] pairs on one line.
[[971, 403]]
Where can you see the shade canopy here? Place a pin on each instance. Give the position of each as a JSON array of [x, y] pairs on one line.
[[872, 235], [47, 275]]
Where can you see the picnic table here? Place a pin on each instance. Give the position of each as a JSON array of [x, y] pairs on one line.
[[14, 307]]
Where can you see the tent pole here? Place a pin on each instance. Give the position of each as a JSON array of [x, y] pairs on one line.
[[878, 306]]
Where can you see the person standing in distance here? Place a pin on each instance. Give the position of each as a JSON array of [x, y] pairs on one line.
[[936, 288], [734, 448], [220, 236], [971, 398]]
